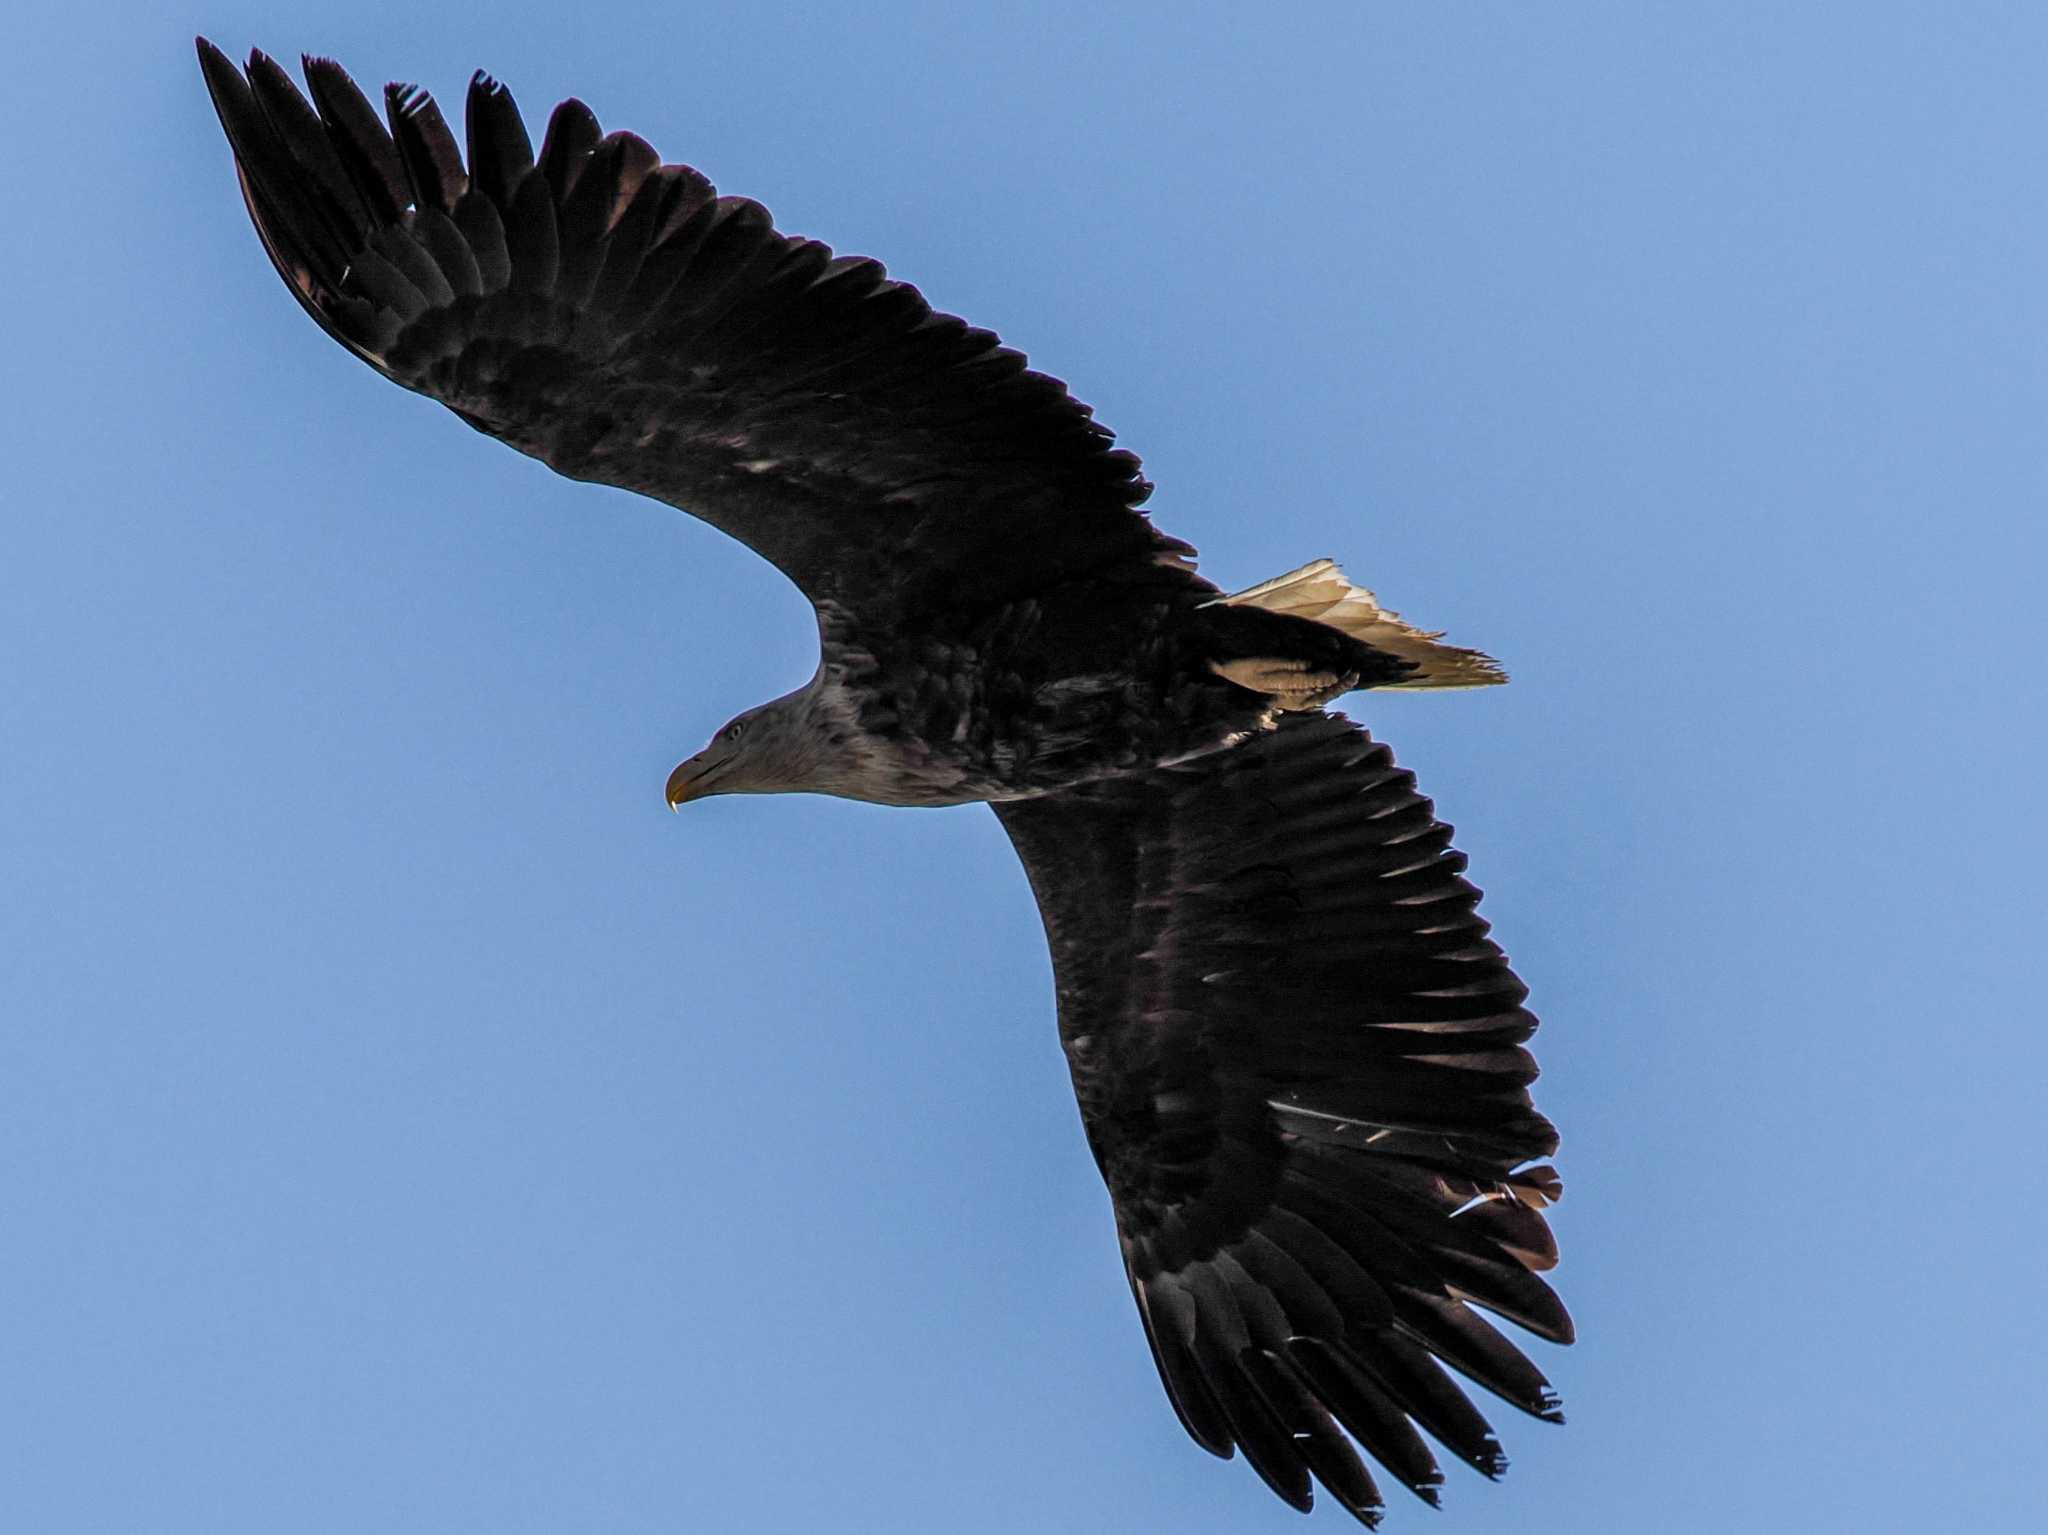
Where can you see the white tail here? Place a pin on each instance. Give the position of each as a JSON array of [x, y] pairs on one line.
[[1319, 592]]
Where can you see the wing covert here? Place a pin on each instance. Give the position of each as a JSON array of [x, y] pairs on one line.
[[1300, 1065], [616, 318]]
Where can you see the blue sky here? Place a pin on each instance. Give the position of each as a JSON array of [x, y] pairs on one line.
[[406, 1124]]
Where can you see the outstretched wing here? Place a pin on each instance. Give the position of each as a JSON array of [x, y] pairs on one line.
[[1300, 1064], [615, 318]]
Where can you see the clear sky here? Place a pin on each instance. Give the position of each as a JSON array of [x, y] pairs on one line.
[[406, 1124]]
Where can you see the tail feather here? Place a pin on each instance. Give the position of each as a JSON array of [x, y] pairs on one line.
[[1319, 592]]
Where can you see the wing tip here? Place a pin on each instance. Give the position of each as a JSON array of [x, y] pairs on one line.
[[219, 72]]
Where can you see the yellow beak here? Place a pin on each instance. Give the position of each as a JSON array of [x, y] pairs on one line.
[[686, 782]]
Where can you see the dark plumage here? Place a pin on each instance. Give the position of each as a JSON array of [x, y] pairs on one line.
[[1299, 1057]]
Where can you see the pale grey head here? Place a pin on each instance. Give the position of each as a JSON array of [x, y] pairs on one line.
[[810, 742], [773, 748]]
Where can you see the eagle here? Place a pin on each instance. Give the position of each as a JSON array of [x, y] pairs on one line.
[[1300, 1059]]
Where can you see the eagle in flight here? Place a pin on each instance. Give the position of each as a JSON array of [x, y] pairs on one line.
[[1300, 1060]]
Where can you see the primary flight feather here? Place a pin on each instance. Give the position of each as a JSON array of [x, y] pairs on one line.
[[1298, 1055]]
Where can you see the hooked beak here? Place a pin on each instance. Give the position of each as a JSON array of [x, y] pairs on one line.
[[687, 782]]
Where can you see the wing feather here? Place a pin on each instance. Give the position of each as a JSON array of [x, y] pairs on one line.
[[572, 134], [478, 221], [1301, 1068], [500, 154], [367, 155], [533, 241], [443, 241], [433, 165]]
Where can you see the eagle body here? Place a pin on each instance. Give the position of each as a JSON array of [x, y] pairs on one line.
[[1009, 700], [1299, 1057]]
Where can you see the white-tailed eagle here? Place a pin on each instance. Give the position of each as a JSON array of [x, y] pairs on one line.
[[1298, 1055]]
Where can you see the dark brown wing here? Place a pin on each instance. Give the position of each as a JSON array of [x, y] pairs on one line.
[[1300, 1064], [615, 318]]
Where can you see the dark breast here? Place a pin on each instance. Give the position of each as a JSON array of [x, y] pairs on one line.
[[1040, 694]]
